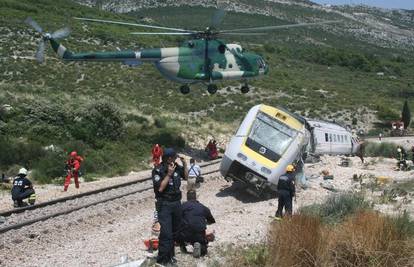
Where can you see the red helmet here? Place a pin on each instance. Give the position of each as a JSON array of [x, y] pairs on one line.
[[73, 154]]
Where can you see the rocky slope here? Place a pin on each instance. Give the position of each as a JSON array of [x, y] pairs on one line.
[[390, 28]]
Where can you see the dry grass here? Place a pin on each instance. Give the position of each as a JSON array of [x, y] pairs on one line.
[[364, 239], [369, 239], [298, 241]]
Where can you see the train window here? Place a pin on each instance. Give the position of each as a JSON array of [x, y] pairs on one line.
[[346, 138], [342, 138], [330, 137], [334, 139], [326, 137]]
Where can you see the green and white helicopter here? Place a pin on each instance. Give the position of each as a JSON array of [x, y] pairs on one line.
[[202, 59]]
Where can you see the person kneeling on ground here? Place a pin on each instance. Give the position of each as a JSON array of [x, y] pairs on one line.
[[22, 189], [286, 191], [195, 217]]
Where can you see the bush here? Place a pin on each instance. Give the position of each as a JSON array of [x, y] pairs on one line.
[[383, 149], [337, 207], [101, 120], [50, 166], [370, 239], [366, 238], [300, 240]]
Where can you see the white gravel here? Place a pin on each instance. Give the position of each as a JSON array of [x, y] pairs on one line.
[[101, 235]]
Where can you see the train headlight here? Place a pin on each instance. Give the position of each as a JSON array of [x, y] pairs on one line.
[[243, 157], [266, 170]]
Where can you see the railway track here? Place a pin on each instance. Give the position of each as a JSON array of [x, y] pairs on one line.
[[21, 217]]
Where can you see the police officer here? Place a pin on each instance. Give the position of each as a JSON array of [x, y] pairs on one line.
[[286, 191], [195, 217], [166, 178], [22, 188]]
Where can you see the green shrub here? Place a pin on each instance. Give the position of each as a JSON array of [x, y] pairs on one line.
[[383, 149], [50, 166], [101, 120], [337, 207]]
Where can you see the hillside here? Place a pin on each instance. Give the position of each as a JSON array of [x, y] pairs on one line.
[[113, 113]]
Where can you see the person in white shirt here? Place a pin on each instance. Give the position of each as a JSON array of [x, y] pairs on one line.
[[194, 174]]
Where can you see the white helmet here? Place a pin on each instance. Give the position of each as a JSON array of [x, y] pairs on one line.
[[23, 171], [399, 149]]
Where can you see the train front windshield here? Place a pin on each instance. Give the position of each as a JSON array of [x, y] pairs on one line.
[[270, 137]]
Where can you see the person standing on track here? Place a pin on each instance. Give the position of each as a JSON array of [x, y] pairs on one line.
[[73, 165], [166, 179]]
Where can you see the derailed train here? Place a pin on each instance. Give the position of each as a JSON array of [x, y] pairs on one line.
[[270, 138]]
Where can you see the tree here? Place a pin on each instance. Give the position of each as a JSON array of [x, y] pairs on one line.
[[406, 115]]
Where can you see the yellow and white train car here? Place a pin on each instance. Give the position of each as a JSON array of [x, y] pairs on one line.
[[267, 141]]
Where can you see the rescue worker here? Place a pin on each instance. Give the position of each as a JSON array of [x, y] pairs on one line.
[[22, 189], [166, 179], [401, 158], [195, 217], [156, 154], [73, 165], [286, 191], [194, 175], [361, 151]]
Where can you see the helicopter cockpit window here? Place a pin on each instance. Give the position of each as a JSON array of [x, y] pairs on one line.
[[260, 63], [230, 66], [221, 48], [238, 50]]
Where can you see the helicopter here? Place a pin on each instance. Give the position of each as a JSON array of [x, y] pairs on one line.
[[203, 58]]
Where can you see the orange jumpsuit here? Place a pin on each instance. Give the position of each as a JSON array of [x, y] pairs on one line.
[[157, 153], [73, 165]]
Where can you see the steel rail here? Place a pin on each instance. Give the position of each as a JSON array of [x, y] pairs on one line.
[[56, 214], [88, 193], [46, 217]]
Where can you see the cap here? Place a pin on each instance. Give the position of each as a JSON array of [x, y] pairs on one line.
[[169, 152]]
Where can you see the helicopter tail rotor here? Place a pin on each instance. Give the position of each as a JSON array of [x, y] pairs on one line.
[[45, 36]]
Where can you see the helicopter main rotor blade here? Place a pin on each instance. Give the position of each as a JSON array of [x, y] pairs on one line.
[[243, 33], [34, 24], [162, 33], [61, 33], [217, 18], [133, 24], [268, 28]]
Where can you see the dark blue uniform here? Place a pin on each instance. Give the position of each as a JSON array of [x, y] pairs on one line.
[[168, 206], [22, 188], [195, 217], [286, 191]]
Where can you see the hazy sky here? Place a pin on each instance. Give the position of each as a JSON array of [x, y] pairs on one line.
[[404, 4]]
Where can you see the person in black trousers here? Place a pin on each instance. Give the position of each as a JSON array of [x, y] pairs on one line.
[[195, 217], [166, 179], [286, 191]]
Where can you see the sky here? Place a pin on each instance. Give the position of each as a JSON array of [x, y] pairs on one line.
[[403, 4]]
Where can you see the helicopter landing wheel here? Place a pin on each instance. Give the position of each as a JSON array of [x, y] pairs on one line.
[[212, 88], [245, 89], [185, 89]]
